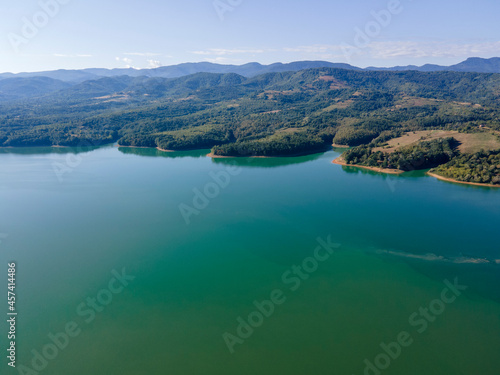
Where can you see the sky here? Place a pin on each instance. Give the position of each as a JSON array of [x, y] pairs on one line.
[[37, 35]]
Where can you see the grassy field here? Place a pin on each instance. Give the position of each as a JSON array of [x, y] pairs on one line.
[[469, 143]]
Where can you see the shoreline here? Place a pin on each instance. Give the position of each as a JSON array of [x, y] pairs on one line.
[[442, 178], [54, 146], [157, 148], [162, 149], [211, 155], [340, 161], [23, 147]]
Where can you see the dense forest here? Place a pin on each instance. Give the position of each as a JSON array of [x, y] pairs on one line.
[[480, 167], [277, 145], [420, 156], [273, 114]]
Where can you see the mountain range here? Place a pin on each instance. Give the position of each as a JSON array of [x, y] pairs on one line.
[[473, 64], [100, 82]]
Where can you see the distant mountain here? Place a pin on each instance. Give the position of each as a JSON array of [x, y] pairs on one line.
[[23, 88], [62, 75], [143, 88], [91, 83], [101, 87], [476, 64], [180, 70], [473, 65]]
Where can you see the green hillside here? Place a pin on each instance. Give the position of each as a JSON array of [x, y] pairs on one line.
[[270, 114]]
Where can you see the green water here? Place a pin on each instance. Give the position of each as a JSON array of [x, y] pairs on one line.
[[69, 219]]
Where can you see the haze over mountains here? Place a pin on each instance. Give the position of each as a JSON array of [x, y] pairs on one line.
[[473, 64], [100, 82]]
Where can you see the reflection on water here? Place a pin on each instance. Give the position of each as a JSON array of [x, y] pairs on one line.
[[236, 161], [153, 152], [50, 150], [266, 162]]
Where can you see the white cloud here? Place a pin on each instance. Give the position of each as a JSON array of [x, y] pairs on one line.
[[128, 62], [387, 50], [398, 49], [152, 64], [224, 60]]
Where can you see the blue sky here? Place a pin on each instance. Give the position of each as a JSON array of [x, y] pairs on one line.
[[73, 34]]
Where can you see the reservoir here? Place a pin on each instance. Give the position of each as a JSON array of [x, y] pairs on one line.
[[136, 261]]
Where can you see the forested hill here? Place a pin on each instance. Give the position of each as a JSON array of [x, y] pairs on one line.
[[274, 113]]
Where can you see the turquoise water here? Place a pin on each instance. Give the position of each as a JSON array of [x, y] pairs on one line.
[[69, 219]]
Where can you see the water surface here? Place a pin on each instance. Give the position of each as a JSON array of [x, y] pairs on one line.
[[70, 218]]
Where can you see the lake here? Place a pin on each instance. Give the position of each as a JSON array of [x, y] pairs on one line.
[[136, 261]]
